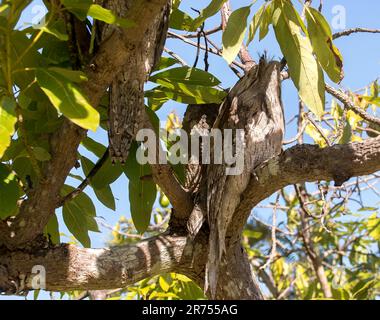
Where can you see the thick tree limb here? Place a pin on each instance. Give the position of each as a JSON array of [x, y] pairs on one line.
[[306, 163], [69, 268], [72, 268]]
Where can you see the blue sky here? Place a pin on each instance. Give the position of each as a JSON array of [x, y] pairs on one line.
[[361, 54]]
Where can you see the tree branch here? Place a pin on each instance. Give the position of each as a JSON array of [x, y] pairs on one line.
[[306, 163], [69, 267], [113, 53], [72, 268], [354, 30], [349, 104]]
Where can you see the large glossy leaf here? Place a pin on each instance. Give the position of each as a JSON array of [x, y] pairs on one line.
[[8, 120], [71, 75], [165, 62], [52, 230], [9, 192], [186, 75], [106, 197], [79, 216], [305, 71], [255, 23], [189, 94], [321, 39], [180, 20], [93, 146], [212, 9], [234, 33], [142, 191], [265, 21], [102, 190], [85, 8], [106, 175], [67, 98]]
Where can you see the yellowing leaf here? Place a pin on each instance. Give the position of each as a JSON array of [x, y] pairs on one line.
[[265, 22], [373, 225], [315, 135], [85, 8], [68, 99], [254, 25], [163, 284], [234, 33], [9, 192], [305, 71], [321, 38], [8, 120]]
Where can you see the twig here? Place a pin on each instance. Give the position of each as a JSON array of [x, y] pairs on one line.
[[192, 43], [319, 129], [273, 252], [206, 32], [244, 55], [299, 134], [354, 30], [86, 181], [176, 57], [348, 103]]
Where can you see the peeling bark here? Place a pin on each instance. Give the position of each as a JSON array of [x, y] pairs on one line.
[[72, 268]]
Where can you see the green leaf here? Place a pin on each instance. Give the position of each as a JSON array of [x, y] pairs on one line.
[[52, 229], [102, 14], [41, 154], [106, 175], [8, 120], [72, 75], [234, 33], [142, 191], [85, 8], [254, 25], [165, 62], [79, 216], [212, 9], [68, 99], [373, 226], [9, 192], [102, 190], [163, 284], [55, 32], [305, 71], [265, 21], [93, 146], [186, 75], [372, 100], [106, 197], [180, 20], [321, 39], [347, 134], [75, 220], [375, 89], [189, 94]]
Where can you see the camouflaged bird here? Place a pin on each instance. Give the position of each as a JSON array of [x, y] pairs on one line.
[[127, 90], [253, 105]]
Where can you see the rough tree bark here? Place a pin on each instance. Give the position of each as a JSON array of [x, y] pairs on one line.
[[72, 268]]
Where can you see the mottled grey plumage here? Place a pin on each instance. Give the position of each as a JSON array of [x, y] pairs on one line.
[[127, 90], [254, 105]]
